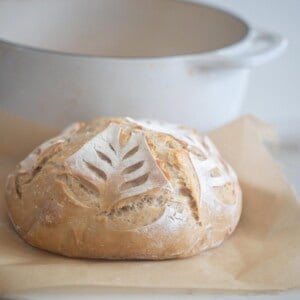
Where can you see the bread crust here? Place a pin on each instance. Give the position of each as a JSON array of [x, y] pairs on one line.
[[124, 189]]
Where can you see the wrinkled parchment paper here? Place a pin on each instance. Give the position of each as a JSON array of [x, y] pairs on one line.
[[262, 255]]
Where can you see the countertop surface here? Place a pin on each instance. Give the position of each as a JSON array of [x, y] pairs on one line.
[[107, 293]]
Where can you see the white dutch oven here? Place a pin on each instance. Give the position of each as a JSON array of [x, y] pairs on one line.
[[64, 60]]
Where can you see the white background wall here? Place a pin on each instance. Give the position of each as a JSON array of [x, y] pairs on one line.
[[274, 90]]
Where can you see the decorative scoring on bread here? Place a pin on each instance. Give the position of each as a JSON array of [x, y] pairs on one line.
[[176, 131], [120, 188], [121, 171], [47, 148], [203, 168], [207, 182]]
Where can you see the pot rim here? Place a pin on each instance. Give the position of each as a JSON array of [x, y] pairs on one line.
[[188, 56]]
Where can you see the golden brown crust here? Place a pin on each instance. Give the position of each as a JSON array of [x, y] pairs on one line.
[[123, 189]]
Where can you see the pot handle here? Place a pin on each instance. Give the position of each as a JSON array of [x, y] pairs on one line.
[[262, 47]]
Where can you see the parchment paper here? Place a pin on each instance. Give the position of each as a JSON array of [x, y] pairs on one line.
[[263, 253]]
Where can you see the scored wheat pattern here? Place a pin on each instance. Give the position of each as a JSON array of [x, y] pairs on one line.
[[129, 170]]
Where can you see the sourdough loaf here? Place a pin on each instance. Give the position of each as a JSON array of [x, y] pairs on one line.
[[124, 189]]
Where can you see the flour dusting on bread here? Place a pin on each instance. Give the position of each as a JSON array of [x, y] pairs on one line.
[[123, 189], [129, 170], [53, 144], [178, 132], [204, 167]]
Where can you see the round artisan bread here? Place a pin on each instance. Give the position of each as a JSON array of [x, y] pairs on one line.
[[124, 189]]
